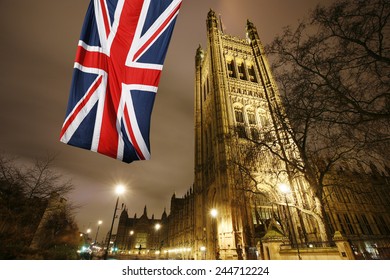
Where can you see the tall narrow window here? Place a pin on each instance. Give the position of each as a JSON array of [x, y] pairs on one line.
[[349, 224], [264, 120], [328, 221], [365, 225], [381, 224], [252, 75], [241, 70], [251, 118], [231, 69], [341, 223], [238, 115]]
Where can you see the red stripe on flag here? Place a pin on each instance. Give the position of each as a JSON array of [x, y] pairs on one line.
[[132, 136], [116, 66], [81, 106], [91, 59], [137, 76], [105, 17]]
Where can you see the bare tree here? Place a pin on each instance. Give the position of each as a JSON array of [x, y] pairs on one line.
[[333, 73], [41, 180], [337, 64], [25, 193]]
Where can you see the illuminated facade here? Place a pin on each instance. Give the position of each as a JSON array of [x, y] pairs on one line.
[[235, 100], [236, 208], [359, 207]]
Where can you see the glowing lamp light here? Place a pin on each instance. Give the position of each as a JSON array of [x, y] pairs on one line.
[[214, 213], [120, 189], [284, 188]]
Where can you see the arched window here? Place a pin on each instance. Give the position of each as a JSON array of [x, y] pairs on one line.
[[239, 118], [264, 121], [251, 118], [238, 114]]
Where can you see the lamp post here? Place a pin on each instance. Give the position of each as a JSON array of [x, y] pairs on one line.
[[89, 240], [157, 228], [131, 233], [119, 190], [214, 214], [285, 190], [97, 231]]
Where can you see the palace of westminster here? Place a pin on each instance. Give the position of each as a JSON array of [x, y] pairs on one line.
[[272, 215]]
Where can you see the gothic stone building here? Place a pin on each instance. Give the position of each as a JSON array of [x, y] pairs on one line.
[[228, 216], [236, 100], [141, 235], [168, 237]]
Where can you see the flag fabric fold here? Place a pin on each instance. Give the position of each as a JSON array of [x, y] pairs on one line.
[[117, 69]]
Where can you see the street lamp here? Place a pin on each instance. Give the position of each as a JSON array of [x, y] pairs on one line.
[[119, 190], [97, 231], [87, 234], [203, 252], [129, 243], [157, 228], [214, 214], [285, 189]]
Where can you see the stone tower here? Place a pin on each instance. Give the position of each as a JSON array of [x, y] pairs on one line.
[[235, 101]]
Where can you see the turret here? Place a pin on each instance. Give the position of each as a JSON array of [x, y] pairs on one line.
[[199, 56], [164, 215], [145, 214], [251, 31], [212, 20]]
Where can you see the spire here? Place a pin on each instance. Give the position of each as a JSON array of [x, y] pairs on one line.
[[251, 31], [221, 25], [212, 20], [145, 214], [164, 214], [199, 55]]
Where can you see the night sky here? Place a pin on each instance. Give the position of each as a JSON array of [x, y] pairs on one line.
[[37, 50]]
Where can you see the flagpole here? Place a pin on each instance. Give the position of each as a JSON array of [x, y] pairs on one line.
[[119, 190]]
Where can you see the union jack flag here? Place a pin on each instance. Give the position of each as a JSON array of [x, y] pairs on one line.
[[117, 69]]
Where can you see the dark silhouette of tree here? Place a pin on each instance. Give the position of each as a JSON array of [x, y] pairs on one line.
[[25, 194], [333, 74], [334, 71]]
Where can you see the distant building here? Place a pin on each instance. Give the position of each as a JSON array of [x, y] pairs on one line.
[[180, 239], [141, 235]]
